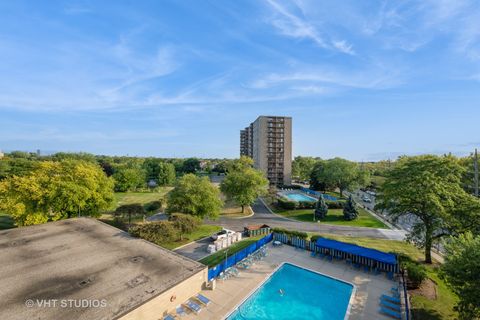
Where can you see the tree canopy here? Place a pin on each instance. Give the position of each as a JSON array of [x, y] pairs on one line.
[[302, 167], [128, 178], [244, 185], [428, 187], [338, 173], [461, 270], [56, 190], [196, 196]]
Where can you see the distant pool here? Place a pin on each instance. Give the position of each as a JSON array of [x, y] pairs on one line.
[[306, 295], [299, 197]]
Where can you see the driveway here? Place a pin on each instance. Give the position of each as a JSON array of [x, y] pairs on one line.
[[195, 250]]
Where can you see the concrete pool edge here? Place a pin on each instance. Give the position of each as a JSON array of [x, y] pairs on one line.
[[261, 283]]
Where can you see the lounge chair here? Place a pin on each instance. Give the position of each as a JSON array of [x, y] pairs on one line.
[[390, 305], [390, 299], [169, 317], [204, 300], [193, 306], [181, 311], [391, 313]]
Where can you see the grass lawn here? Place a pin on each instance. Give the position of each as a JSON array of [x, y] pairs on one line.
[[441, 308], [205, 230], [122, 198], [381, 244], [334, 216], [231, 210], [6, 222], [219, 256]]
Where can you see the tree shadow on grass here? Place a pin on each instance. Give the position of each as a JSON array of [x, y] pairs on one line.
[[423, 314]]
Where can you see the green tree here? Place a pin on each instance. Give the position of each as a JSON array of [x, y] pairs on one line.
[[128, 178], [321, 209], [196, 196], [184, 223], [350, 211], [56, 190], [191, 165], [157, 232], [240, 164], [302, 167], [244, 186], [461, 270], [428, 187], [166, 174], [129, 210]]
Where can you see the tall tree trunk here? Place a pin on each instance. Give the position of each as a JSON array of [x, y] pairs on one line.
[[243, 208], [428, 244], [341, 192]]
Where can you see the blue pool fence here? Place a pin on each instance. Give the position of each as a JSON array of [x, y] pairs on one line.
[[237, 257]]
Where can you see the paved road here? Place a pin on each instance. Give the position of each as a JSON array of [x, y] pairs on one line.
[[264, 216], [197, 250]]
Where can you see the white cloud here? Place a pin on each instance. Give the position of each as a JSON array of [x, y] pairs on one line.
[[298, 27]]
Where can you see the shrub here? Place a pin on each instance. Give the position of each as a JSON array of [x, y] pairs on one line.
[[157, 232], [321, 209], [286, 204], [315, 237], [184, 223], [291, 233], [306, 205], [349, 210], [334, 204], [153, 206], [416, 274]]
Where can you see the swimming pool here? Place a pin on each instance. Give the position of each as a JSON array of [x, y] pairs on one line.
[[299, 197], [306, 295]]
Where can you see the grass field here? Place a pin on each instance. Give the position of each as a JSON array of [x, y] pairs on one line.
[[205, 230], [6, 222], [122, 198], [219, 256], [335, 217]]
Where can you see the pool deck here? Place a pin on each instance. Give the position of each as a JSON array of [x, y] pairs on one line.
[[230, 293]]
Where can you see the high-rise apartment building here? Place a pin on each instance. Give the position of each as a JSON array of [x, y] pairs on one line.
[[268, 141]]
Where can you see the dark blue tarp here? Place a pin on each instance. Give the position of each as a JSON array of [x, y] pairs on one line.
[[357, 250]]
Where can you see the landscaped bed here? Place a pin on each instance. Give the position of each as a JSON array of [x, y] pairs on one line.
[[334, 216]]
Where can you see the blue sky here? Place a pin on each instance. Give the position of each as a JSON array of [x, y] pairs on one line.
[[364, 80]]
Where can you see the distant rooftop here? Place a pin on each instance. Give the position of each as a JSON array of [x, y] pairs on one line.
[[83, 259]]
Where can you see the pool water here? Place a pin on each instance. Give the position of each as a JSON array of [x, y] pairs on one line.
[[306, 295], [299, 197]]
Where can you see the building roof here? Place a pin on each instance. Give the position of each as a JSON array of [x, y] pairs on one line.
[[83, 258]]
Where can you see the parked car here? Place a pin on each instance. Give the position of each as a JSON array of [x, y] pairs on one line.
[[366, 199], [222, 234]]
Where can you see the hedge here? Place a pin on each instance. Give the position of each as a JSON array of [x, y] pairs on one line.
[[298, 234], [286, 204], [334, 204]]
